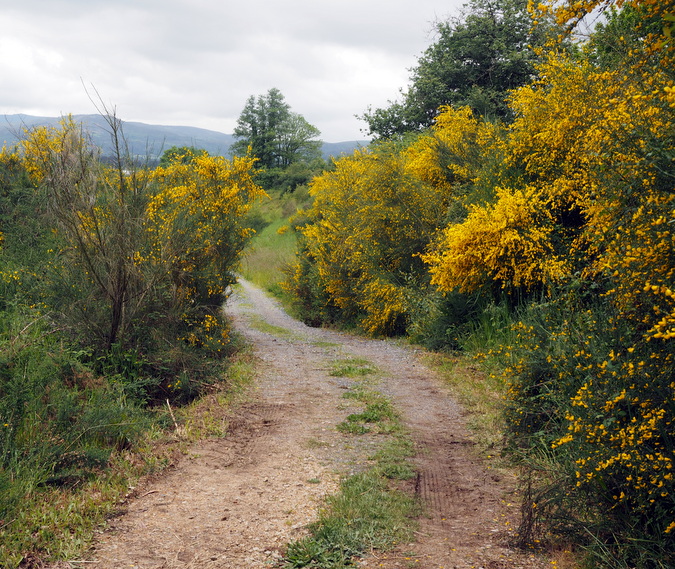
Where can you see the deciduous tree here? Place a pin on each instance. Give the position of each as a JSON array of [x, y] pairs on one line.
[[275, 136], [475, 60]]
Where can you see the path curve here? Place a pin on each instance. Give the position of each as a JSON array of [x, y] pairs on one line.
[[233, 502]]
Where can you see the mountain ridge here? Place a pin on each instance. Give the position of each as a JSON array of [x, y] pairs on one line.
[[148, 139]]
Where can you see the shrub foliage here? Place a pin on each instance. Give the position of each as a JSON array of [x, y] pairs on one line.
[[564, 217], [112, 280]]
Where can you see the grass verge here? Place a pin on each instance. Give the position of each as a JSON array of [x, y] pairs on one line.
[[352, 367], [56, 523], [262, 325]]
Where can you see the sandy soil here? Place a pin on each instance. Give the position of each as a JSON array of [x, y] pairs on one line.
[[234, 502]]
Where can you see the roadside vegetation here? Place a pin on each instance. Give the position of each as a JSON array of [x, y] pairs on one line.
[[530, 226], [112, 279], [113, 343], [272, 249]]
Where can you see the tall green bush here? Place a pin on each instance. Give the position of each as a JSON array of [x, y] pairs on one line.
[[145, 257], [112, 279]]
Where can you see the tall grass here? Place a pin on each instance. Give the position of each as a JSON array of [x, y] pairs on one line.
[[273, 247], [61, 426], [72, 441], [268, 254]]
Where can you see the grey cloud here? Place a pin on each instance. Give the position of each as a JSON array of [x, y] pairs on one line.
[[196, 62]]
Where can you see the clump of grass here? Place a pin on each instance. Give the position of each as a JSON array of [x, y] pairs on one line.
[[280, 332], [366, 514], [352, 367], [392, 459], [353, 427], [378, 413]]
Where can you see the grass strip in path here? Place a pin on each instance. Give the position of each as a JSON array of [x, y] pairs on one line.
[[369, 512]]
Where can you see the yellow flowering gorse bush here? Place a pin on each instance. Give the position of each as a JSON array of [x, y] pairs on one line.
[[568, 210]]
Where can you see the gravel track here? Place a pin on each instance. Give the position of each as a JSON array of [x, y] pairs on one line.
[[234, 502]]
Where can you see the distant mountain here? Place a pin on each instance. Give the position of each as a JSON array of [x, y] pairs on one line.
[[337, 149], [146, 139]]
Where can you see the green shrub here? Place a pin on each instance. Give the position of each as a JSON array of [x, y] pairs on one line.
[[591, 413], [441, 321]]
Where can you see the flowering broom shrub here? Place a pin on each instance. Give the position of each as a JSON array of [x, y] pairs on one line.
[[374, 216], [593, 376], [570, 213], [145, 255], [197, 233], [370, 218]]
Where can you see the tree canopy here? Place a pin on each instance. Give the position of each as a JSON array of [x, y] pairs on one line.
[[475, 60], [276, 136]]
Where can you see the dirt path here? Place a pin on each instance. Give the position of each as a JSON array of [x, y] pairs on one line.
[[234, 502]]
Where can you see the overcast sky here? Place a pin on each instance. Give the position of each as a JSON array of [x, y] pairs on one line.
[[195, 62]]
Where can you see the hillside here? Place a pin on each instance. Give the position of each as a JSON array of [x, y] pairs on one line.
[[146, 139]]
